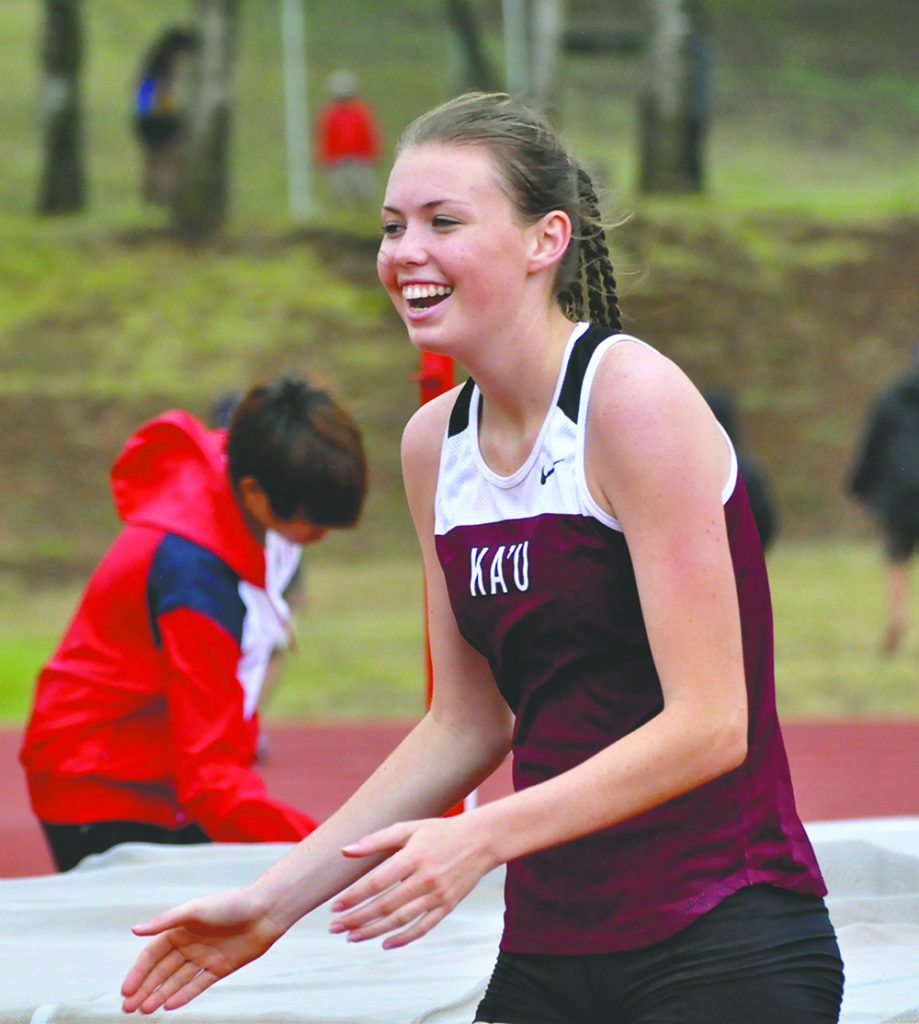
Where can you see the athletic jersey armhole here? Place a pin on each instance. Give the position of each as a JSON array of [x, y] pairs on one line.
[[592, 507]]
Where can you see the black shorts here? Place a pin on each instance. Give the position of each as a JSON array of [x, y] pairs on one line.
[[71, 843], [900, 540], [156, 130], [762, 956]]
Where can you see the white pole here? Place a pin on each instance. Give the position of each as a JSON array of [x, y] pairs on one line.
[[296, 107], [516, 47]]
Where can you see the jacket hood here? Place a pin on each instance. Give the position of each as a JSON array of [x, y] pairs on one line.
[[172, 475]]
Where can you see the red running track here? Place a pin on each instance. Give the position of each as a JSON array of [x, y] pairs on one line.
[[841, 769]]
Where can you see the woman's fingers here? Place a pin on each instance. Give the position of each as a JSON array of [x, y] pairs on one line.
[[415, 919], [391, 872], [174, 984], [393, 901], [373, 886], [176, 917], [172, 981], [204, 941], [393, 837], [434, 865], [377, 919], [421, 927], [202, 981], [388, 890], [185, 986], [150, 970]]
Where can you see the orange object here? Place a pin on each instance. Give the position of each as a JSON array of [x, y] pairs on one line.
[[435, 377]]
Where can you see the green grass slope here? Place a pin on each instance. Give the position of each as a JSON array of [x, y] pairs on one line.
[[790, 280]]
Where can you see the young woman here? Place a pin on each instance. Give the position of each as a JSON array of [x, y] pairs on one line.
[[144, 724], [597, 604]]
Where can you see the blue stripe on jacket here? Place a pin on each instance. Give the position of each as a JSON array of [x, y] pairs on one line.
[[184, 574]]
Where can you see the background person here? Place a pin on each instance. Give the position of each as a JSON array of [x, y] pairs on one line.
[[144, 722], [885, 478], [348, 143], [598, 604], [161, 100]]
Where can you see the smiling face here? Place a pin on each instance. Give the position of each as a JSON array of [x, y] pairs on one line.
[[455, 258]]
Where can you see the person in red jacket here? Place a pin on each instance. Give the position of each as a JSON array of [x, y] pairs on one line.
[[348, 142], [143, 728]]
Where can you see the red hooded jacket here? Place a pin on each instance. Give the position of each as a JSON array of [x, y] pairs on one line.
[[139, 713]]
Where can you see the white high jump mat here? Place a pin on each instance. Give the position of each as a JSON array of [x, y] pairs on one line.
[[65, 941]]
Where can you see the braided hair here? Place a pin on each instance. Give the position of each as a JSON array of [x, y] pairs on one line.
[[538, 176], [591, 293]]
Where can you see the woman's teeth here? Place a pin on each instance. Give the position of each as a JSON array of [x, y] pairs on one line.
[[421, 296]]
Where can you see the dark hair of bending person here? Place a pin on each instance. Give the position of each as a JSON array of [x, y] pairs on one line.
[[302, 450]]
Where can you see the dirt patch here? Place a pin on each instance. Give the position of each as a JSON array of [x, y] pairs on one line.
[[804, 350]]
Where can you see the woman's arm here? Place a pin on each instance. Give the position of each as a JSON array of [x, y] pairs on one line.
[[461, 740], [658, 462]]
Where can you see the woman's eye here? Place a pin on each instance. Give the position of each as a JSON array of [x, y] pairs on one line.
[[391, 229], [444, 222]]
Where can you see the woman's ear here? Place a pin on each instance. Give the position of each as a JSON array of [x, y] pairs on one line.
[[550, 239]]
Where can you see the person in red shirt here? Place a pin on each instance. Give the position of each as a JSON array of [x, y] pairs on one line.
[[144, 724], [348, 142]]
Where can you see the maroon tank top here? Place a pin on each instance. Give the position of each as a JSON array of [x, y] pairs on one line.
[[541, 583]]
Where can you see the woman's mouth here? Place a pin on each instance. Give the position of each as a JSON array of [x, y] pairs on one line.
[[423, 296]]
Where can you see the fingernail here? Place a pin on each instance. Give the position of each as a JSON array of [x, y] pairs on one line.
[[338, 905], [336, 927]]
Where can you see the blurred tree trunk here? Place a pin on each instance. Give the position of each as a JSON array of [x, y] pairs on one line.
[[471, 67], [675, 98], [63, 182], [534, 35], [547, 34], [200, 206]]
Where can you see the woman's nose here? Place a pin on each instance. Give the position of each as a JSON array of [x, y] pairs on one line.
[[409, 247]]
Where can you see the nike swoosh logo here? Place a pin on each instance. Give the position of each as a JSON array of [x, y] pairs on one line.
[[546, 473]]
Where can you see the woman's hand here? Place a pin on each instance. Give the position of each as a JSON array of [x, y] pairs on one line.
[[197, 944], [435, 863]]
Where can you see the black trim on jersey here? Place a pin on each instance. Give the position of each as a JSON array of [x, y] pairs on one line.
[[569, 398], [459, 417]]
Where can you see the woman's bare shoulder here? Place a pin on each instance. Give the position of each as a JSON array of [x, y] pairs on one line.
[[638, 388], [423, 434]]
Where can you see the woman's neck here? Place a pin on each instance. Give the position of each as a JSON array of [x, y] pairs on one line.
[[517, 388], [517, 374]]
